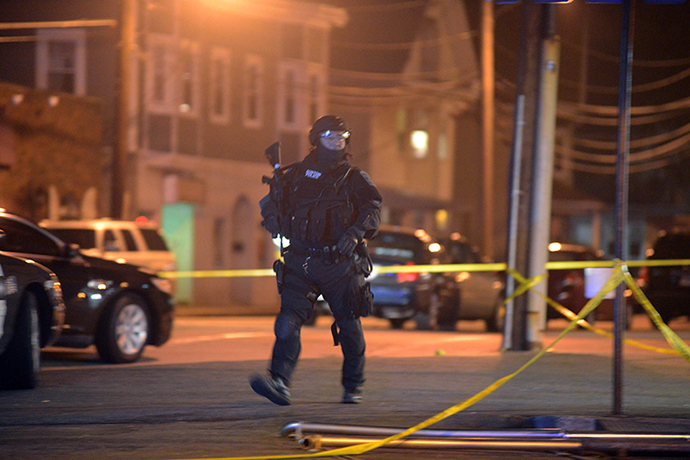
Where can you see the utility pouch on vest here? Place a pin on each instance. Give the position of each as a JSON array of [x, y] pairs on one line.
[[299, 224], [279, 268], [366, 302], [363, 262]]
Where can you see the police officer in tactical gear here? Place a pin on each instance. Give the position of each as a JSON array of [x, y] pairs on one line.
[[327, 209]]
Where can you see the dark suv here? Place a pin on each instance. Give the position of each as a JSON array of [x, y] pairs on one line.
[[668, 288], [431, 298]]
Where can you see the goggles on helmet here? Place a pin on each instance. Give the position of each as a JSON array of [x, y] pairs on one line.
[[334, 135]]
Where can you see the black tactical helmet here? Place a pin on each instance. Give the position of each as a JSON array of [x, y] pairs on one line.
[[325, 123]]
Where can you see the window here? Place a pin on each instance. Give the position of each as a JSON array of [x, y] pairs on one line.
[[23, 239], [219, 237], [61, 61], [86, 239], [419, 136], [401, 130], [153, 239], [189, 78], [288, 97], [110, 242], [442, 146], [419, 140], [160, 65], [315, 97], [219, 98], [253, 91], [129, 240]]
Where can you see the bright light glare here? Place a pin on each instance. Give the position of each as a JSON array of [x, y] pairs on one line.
[[420, 143], [434, 247], [276, 241], [555, 247]]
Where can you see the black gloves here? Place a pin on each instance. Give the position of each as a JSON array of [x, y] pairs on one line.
[[348, 242], [271, 224]]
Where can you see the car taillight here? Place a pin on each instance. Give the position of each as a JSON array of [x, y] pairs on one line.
[[643, 276], [407, 277]]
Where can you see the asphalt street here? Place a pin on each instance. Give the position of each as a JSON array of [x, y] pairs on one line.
[[190, 398]]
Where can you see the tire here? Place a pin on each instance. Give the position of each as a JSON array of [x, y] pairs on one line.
[[21, 363], [124, 330], [497, 321], [397, 323], [449, 313], [429, 321]]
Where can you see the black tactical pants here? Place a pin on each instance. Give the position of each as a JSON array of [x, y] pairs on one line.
[[340, 284]]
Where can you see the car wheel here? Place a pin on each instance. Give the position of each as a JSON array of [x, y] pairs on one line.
[[21, 362], [397, 323], [449, 313], [124, 330], [429, 321], [497, 321]]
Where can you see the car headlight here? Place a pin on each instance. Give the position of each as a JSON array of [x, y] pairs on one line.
[[163, 284], [54, 289]]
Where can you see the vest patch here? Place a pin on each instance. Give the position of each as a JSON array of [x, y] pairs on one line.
[[312, 174]]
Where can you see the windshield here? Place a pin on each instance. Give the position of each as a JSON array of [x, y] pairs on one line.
[[85, 238], [153, 240], [397, 248]]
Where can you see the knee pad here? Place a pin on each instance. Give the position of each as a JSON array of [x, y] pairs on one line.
[[286, 326]]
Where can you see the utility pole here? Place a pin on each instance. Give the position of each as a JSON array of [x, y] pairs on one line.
[[126, 47], [488, 123], [531, 171]]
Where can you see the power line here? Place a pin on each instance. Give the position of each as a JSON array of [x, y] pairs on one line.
[[661, 151], [389, 7], [405, 45]]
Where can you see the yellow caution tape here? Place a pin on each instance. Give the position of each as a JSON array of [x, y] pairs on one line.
[[620, 274], [671, 337], [435, 268], [218, 273], [583, 323]]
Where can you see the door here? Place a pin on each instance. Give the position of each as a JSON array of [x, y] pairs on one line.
[[178, 227]]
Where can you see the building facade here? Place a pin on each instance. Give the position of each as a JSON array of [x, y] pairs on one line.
[[212, 85]]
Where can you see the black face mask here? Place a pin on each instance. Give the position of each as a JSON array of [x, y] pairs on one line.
[[329, 157]]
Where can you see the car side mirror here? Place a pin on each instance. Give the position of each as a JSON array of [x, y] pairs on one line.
[[72, 250]]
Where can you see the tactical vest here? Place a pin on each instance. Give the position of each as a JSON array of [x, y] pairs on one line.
[[318, 205]]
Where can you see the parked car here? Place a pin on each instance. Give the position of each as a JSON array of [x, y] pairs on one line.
[[118, 307], [137, 243], [430, 298], [567, 286], [668, 288], [31, 317], [482, 292]]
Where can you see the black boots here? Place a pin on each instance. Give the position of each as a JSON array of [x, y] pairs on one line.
[[272, 388], [352, 396]]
